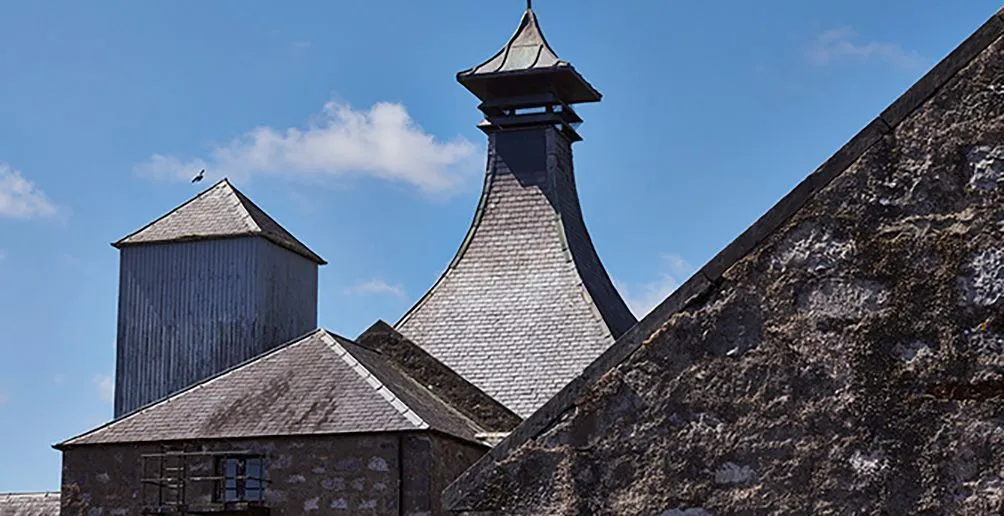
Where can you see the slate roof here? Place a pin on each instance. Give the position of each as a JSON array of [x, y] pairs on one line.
[[29, 504], [526, 50], [526, 303], [222, 211], [461, 493], [318, 384], [439, 379], [527, 53]]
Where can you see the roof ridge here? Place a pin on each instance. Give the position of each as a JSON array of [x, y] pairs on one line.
[[527, 24], [224, 212], [244, 203], [544, 45], [405, 374], [580, 254], [177, 208], [539, 219], [407, 412], [271, 229], [318, 371], [191, 388], [708, 276], [445, 374]]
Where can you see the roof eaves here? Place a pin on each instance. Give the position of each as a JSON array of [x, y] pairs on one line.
[[296, 247], [465, 78], [701, 283], [291, 244], [191, 238], [71, 441]]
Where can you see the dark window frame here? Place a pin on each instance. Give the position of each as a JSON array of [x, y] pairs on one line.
[[242, 479]]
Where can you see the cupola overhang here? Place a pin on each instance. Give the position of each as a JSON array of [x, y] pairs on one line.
[[526, 83]]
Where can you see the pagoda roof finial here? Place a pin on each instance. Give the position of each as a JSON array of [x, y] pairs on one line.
[[527, 65]]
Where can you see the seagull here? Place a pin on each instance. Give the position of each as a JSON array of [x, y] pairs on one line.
[[199, 177]]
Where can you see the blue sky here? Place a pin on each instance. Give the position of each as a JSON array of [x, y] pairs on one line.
[[343, 120]]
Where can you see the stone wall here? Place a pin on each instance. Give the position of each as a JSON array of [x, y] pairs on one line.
[[358, 474], [852, 362]]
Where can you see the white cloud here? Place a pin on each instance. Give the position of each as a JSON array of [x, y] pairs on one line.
[[843, 43], [105, 386], [375, 287], [382, 142], [641, 299], [20, 198]]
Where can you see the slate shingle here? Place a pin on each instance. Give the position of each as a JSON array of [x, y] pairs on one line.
[[219, 212], [439, 379], [319, 384], [527, 53], [526, 304], [29, 504]]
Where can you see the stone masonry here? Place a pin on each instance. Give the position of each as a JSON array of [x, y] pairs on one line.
[[849, 360], [401, 473]]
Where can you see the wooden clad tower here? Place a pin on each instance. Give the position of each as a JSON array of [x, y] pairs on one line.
[[211, 284]]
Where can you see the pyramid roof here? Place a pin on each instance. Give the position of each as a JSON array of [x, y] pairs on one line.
[[221, 211]]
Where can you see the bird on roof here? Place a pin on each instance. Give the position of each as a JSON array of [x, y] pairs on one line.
[[199, 176]]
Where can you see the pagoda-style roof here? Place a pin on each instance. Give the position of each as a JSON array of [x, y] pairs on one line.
[[527, 66], [526, 303], [219, 212]]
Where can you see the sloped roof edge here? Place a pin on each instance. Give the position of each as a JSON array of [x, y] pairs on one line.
[[69, 442], [505, 64], [701, 283], [420, 416], [374, 382], [606, 317], [435, 376], [257, 217], [475, 223], [38, 503], [528, 23]]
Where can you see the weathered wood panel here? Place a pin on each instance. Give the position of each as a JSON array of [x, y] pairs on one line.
[[189, 310]]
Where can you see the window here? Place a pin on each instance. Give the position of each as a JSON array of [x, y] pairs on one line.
[[531, 110], [242, 479]]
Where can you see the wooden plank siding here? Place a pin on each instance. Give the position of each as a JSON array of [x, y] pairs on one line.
[[189, 310]]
